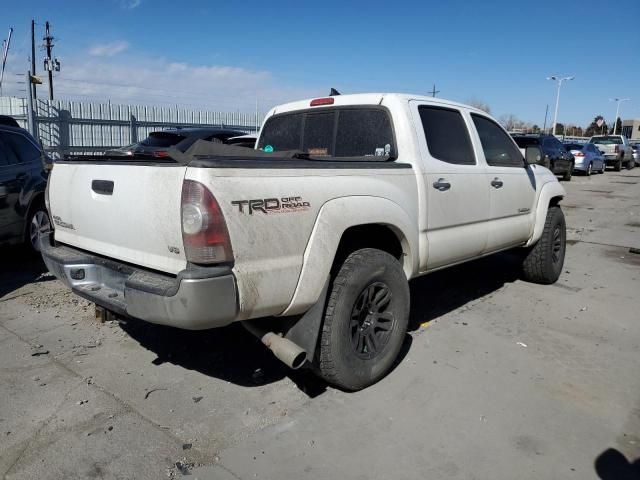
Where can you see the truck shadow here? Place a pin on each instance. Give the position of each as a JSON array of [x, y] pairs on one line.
[[19, 267], [439, 293], [234, 355], [231, 354]]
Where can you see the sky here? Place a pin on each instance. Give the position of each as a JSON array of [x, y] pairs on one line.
[[228, 56]]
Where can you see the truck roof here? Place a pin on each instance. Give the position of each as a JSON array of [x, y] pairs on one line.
[[367, 99]]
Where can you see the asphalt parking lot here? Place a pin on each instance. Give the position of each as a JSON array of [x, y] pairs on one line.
[[499, 378]]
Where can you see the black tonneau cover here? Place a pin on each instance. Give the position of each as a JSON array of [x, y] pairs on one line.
[[207, 154]]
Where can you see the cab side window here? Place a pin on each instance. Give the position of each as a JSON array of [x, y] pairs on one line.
[[447, 135], [499, 149]]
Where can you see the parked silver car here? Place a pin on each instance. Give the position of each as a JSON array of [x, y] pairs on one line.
[[588, 158]]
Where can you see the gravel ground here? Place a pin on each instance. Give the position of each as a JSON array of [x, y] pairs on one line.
[[498, 379]]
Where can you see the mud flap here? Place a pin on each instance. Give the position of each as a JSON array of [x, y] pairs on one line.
[[305, 330]]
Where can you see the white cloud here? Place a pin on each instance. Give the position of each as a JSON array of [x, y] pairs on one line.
[[162, 83], [130, 4], [108, 49]]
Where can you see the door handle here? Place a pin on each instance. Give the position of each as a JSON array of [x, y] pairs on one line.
[[497, 183], [21, 177], [102, 187], [441, 185]]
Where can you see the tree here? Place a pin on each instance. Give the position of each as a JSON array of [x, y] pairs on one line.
[[594, 129], [479, 104], [509, 121], [573, 130], [559, 129], [618, 127], [535, 129]]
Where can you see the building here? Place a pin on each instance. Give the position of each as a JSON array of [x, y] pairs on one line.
[[631, 129]]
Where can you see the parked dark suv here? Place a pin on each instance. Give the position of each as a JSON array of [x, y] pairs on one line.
[[158, 143], [23, 179], [553, 153]]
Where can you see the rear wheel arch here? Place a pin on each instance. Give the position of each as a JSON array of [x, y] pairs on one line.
[[347, 224], [370, 235]]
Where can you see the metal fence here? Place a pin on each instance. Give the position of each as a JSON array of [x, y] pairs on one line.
[[75, 127]]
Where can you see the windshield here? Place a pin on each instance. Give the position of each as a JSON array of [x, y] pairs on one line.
[[162, 139], [608, 140], [334, 132]]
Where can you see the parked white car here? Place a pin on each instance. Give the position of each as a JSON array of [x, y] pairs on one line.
[[347, 198]]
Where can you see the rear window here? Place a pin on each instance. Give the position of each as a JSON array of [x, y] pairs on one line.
[[334, 132], [574, 146], [524, 142], [162, 139], [607, 140]]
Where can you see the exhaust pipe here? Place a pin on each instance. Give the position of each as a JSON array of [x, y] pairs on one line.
[[288, 352]]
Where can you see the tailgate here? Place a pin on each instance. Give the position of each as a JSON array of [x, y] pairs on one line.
[[127, 212], [606, 148]]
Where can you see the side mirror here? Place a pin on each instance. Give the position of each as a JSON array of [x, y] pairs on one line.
[[532, 155], [601, 152]]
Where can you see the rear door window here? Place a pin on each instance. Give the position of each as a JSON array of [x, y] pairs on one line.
[[9, 150], [447, 135], [24, 150], [4, 153], [338, 132], [499, 149]]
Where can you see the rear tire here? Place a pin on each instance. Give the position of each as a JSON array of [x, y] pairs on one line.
[[365, 322], [37, 222], [568, 174], [631, 165], [543, 262], [588, 172], [618, 166]]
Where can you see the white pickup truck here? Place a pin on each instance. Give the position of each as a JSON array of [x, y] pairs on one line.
[[311, 238], [616, 149]]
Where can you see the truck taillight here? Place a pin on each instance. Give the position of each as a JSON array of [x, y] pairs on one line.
[[204, 231], [578, 154]]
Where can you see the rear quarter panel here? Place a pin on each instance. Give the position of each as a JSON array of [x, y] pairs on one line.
[[269, 244]]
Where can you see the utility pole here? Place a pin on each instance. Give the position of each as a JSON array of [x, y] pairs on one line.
[[546, 112], [50, 64], [33, 55], [434, 91], [31, 119]]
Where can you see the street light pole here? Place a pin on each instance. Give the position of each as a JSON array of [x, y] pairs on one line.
[[559, 80], [615, 121]]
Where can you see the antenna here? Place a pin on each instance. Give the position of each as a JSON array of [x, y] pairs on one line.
[[5, 53]]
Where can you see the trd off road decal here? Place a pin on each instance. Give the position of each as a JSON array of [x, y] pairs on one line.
[[271, 205]]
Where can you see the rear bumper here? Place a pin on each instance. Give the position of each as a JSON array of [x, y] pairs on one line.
[[197, 298]]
